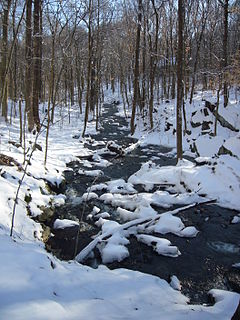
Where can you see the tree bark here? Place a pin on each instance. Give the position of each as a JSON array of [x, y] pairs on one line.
[[136, 69], [3, 70], [36, 63], [28, 72], [89, 68], [153, 65], [180, 77], [225, 52]]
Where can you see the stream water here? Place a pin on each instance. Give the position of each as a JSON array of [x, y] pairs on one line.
[[206, 261]]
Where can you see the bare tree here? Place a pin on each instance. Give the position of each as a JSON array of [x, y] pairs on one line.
[[4, 59], [28, 72], [37, 39], [180, 77], [136, 68]]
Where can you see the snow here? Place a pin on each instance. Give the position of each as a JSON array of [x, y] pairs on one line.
[[208, 146], [168, 223], [114, 186], [233, 145], [91, 173], [160, 245], [175, 283], [35, 284], [112, 252], [103, 215], [219, 181], [87, 196], [236, 219], [64, 223]]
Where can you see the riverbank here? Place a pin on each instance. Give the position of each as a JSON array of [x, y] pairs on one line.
[[33, 280]]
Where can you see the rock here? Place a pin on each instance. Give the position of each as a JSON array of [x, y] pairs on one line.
[[9, 161], [47, 214], [113, 147], [195, 125], [37, 146], [46, 233], [15, 144], [76, 136], [202, 161], [188, 132], [206, 125], [205, 111], [224, 150], [193, 113], [224, 123], [194, 149], [233, 279], [210, 106], [167, 126]]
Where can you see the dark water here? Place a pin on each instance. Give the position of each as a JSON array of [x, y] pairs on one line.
[[205, 261]]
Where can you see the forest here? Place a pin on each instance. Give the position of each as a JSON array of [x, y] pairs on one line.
[[120, 159]]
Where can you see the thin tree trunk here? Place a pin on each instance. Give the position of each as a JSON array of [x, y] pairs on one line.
[[217, 104], [136, 69], [89, 68], [225, 53], [199, 41], [36, 63], [180, 77], [28, 72], [4, 58]]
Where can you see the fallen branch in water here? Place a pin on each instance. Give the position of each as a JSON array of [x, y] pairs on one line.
[[83, 254]]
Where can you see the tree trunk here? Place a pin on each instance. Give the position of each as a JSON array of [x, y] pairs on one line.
[[225, 52], [180, 78], [88, 69], [28, 72], [36, 63], [136, 69], [153, 64], [3, 70]]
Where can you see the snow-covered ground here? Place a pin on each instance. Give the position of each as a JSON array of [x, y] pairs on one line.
[[35, 285]]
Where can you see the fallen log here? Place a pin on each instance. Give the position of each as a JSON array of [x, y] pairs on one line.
[[84, 253]]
